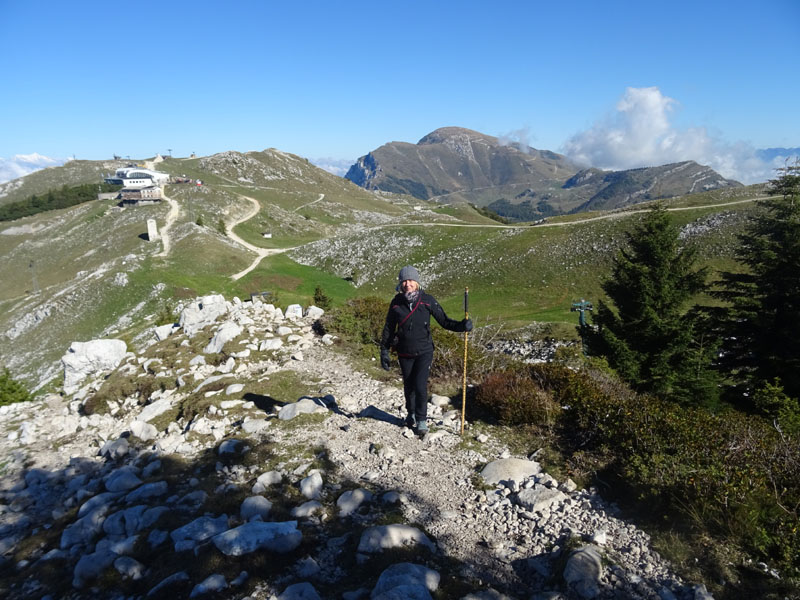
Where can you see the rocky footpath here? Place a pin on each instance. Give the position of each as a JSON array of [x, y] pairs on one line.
[[191, 468]]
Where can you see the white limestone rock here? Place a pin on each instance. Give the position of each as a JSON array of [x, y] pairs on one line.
[[144, 431], [583, 571], [212, 583], [314, 312], [255, 507], [199, 530], [162, 332], [294, 312], [226, 332], [302, 406], [265, 480], [280, 537], [89, 566], [350, 501], [509, 469], [540, 498], [383, 537], [88, 358], [299, 591], [407, 574], [255, 425], [270, 344], [123, 479], [311, 486], [307, 509], [201, 313]]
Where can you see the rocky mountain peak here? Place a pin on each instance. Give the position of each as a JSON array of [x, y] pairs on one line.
[[448, 134]]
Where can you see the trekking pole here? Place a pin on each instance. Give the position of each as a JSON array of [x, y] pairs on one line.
[[464, 382]]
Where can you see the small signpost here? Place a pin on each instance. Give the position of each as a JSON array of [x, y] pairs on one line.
[[581, 308]]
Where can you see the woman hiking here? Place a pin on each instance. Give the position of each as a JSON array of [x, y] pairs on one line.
[[408, 332]]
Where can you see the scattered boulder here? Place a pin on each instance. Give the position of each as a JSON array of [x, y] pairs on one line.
[[299, 591], [582, 572], [143, 430], [255, 507], [314, 312], [539, 498], [311, 486], [350, 501], [201, 313], [302, 406], [212, 583], [294, 312], [226, 332], [87, 358], [278, 537], [509, 470], [383, 537], [417, 581]]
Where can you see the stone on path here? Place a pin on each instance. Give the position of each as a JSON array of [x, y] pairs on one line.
[[130, 568], [299, 591], [583, 571], [540, 498], [302, 406], [255, 506], [384, 537], [311, 486], [306, 509], [349, 501], [212, 583], [416, 580], [509, 469], [278, 537]]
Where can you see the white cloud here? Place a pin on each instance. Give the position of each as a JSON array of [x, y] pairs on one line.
[[23, 164], [640, 134], [518, 138], [337, 166]]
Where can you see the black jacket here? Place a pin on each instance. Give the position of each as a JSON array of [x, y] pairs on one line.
[[408, 328]]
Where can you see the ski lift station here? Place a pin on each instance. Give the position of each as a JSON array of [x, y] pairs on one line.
[[137, 177]]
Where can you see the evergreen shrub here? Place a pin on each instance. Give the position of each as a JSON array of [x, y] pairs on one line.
[[359, 320], [11, 390]]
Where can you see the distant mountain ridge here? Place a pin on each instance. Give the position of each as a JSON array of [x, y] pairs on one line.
[[453, 164]]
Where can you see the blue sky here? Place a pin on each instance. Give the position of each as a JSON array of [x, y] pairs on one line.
[[617, 84]]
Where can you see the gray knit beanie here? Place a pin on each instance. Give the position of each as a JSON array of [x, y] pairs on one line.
[[408, 272]]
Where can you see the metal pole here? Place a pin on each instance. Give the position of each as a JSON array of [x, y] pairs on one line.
[[464, 381]]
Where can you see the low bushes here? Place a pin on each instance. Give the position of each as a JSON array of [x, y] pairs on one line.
[[515, 398], [733, 474]]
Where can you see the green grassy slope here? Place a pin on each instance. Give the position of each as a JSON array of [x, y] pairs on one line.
[[97, 275]]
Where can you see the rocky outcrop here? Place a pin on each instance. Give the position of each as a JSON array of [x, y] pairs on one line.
[[87, 358], [224, 486]]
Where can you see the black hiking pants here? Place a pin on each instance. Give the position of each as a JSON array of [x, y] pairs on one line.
[[415, 371]]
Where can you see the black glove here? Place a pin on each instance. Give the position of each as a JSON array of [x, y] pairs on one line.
[[467, 323], [385, 359]]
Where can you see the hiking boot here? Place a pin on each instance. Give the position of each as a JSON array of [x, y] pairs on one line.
[[411, 421], [422, 427]]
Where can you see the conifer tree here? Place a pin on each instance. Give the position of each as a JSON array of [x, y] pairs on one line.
[[646, 331], [761, 329], [11, 390]]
